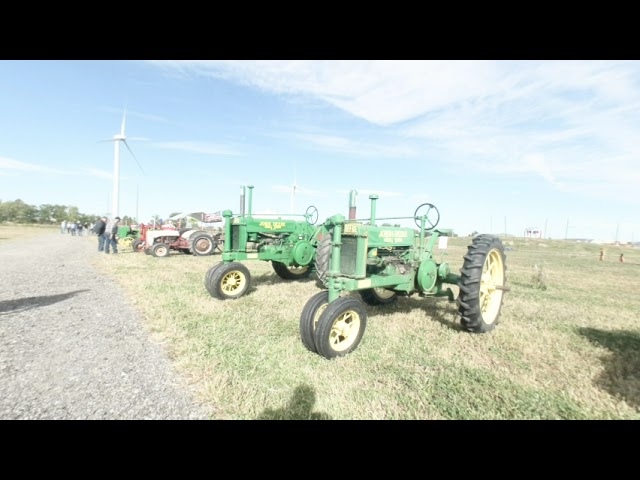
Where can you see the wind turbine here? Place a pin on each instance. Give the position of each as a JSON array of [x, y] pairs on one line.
[[117, 138]]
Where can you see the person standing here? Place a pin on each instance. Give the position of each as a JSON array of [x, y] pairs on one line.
[[112, 232], [63, 227], [99, 229]]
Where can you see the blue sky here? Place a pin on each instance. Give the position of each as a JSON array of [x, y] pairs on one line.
[[534, 143]]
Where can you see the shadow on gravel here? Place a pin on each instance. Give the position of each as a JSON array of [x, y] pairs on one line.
[[22, 304], [299, 408]]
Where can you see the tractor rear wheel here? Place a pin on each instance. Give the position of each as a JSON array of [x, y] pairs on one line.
[[309, 319], [378, 296], [125, 242], [160, 250], [137, 245], [229, 281], [481, 281], [291, 273], [202, 244], [323, 256], [340, 327]]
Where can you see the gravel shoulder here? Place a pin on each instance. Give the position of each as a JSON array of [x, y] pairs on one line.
[[72, 347]]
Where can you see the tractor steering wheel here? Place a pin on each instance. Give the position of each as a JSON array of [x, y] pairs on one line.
[[311, 215], [430, 210]]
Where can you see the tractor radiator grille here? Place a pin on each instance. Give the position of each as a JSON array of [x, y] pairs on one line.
[[348, 255], [235, 237]]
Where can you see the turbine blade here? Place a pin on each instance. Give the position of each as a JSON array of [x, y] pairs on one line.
[[124, 115], [110, 140], [134, 157]]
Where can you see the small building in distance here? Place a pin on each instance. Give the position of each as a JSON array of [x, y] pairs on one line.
[[532, 232]]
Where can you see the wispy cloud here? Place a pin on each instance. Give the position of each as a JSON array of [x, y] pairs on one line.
[[18, 166], [565, 122], [11, 164], [356, 148], [133, 113], [199, 147], [94, 172]]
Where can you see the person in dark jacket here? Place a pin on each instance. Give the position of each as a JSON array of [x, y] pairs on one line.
[[98, 229], [112, 232]]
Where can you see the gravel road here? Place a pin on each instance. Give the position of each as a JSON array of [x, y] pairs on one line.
[[71, 347]]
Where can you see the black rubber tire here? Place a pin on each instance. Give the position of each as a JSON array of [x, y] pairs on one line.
[[323, 257], [219, 275], [327, 338], [160, 250], [147, 251], [309, 319], [199, 245], [207, 278], [469, 308], [137, 245], [186, 251], [285, 273], [371, 296]]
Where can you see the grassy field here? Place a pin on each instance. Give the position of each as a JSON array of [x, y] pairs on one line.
[[567, 346], [10, 233]]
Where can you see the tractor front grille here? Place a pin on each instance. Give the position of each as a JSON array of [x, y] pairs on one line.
[[348, 256], [235, 237]]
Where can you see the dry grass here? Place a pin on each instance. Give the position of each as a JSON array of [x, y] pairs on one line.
[[570, 351]]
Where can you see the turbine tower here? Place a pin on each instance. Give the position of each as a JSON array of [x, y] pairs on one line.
[[117, 138]]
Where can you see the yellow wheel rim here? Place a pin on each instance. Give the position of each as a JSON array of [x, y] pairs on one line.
[[126, 241], [344, 330], [492, 277], [233, 282], [317, 315]]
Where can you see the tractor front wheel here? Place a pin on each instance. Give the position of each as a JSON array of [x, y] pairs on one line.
[[378, 296], [160, 250], [207, 278], [137, 245], [291, 273], [229, 281], [309, 319], [340, 327], [481, 284]]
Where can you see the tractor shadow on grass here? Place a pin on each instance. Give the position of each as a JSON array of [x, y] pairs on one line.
[[299, 407], [438, 309], [621, 376], [22, 304]]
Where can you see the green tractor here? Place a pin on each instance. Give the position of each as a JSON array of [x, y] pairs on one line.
[[289, 245], [126, 236], [383, 263]]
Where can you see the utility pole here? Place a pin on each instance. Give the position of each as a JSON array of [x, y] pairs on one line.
[[491, 220], [566, 232], [545, 227], [505, 225], [617, 228]]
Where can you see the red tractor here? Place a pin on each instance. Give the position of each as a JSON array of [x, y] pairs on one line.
[[160, 242]]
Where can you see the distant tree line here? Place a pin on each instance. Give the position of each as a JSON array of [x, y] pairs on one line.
[[19, 212]]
